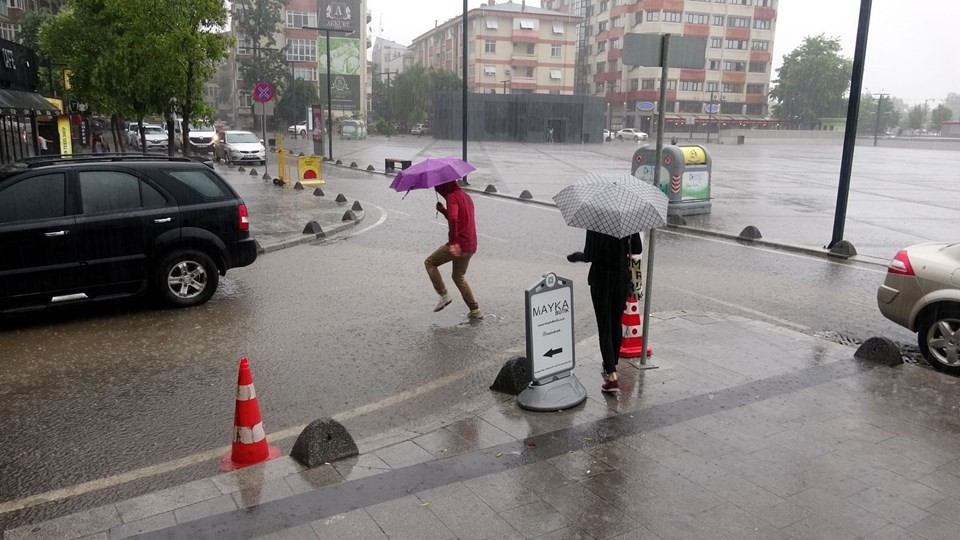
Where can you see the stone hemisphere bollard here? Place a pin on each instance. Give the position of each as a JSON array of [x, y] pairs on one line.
[[880, 350], [349, 216], [339, 162], [513, 377], [323, 441], [370, 168], [750, 233], [353, 165], [357, 207], [490, 189], [253, 172], [341, 198], [843, 249], [526, 195], [298, 186], [313, 228], [318, 192]]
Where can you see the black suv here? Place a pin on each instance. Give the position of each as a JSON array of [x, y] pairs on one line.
[[101, 227]]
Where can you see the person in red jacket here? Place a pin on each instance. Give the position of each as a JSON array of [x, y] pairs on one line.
[[460, 247]]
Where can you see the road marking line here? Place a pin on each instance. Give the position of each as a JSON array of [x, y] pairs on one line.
[[216, 453], [383, 218], [493, 238]]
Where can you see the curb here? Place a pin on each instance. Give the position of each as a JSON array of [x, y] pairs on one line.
[[307, 238], [796, 248]]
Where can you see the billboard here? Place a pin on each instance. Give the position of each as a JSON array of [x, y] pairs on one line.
[[346, 63], [341, 14]]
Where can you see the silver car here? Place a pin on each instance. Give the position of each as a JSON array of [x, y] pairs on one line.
[[922, 293]]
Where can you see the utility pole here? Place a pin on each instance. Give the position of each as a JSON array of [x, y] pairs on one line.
[[876, 127]]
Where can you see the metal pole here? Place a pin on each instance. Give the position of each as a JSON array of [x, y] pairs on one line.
[[850, 135], [463, 39], [710, 116], [651, 243], [329, 101]]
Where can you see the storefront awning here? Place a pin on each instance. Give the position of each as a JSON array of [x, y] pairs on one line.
[[19, 102]]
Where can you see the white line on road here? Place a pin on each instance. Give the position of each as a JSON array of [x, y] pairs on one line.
[[383, 218], [169, 466]]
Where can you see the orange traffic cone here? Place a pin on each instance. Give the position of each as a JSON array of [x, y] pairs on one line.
[[631, 344], [249, 439]]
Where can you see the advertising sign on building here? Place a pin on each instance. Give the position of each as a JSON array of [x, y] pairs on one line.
[[346, 61], [341, 14]]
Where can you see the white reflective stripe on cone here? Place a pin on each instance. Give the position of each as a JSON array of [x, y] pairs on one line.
[[247, 435], [632, 331], [246, 393]]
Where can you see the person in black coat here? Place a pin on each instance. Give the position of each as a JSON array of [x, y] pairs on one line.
[[609, 281]]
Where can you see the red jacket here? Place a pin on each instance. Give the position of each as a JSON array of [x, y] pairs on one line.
[[459, 214]]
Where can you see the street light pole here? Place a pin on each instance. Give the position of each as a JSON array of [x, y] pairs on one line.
[[710, 115], [876, 126]]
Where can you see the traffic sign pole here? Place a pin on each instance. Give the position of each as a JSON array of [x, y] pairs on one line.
[[263, 93]]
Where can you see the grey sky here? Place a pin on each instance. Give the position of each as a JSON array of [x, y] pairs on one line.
[[911, 53]]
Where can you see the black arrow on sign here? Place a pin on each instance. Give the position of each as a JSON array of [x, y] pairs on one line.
[[553, 352]]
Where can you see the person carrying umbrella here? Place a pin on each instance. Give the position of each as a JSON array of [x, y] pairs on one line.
[[609, 281], [460, 247], [441, 174]]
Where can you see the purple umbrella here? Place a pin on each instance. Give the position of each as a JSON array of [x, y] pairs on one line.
[[431, 173]]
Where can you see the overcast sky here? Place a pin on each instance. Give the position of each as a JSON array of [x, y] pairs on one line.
[[912, 52]]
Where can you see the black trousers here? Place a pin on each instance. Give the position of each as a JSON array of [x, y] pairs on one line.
[[609, 298]]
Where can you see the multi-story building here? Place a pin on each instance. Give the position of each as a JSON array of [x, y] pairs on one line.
[[511, 47], [305, 52], [390, 57], [732, 88]]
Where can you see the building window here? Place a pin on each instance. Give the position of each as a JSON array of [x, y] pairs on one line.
[[492, 23], [604, 5], [601, 46], [755, 89], [244, 99], [741, 2], [301, 50], [734, 66], [691, 86], [764, 3], [615, 43], [9, 31], [671, 85], [690, 106], [612, 65], [490, 46], [16, 4], [602, 26], [617, 22], [307, 74], [698, 18], [556, 51], [556, 74], [653, 15], [557, 27], [756, 109], [489, 71], [648, 84], [634, 85], [637, 18], [718, 20], [530, 72], [732, 88], [760, 45], [527, 24], [758, 67], [738, 22], [244, 45], [740, 44], [299, 19], [672, 16], [713, 65], [716, 42], [599, 89], [712, 86], [601, 67], [762, 24]]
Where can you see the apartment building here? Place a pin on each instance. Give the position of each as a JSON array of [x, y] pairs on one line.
[[390, 56], [731, 90], [511, 48], [305, 50]]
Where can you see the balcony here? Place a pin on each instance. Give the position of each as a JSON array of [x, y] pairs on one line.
[[526, 36]]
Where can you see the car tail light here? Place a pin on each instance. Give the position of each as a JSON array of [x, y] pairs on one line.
[[901, 264], [244, 218]]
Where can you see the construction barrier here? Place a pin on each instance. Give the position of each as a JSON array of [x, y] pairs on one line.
[[310, 170]]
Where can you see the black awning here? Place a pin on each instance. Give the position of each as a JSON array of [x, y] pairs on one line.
[[19, 102]]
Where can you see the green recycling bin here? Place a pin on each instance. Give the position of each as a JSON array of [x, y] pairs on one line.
[[685, 176]]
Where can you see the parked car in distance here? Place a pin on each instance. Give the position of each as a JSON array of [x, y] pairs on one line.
[[92, 228], [239, 147], [298, 129], [606, 135], [420, 129], [922, 293], [155, 136], [631, 134], [201, 138]]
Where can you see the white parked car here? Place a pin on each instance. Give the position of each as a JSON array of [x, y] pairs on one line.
[[606, 135], [156, 138], [631, 134], [239, 147], [298, 129], [201, 139]]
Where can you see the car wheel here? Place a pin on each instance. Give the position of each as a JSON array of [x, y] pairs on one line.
[[939, 338], [186, 278], [619, 137]]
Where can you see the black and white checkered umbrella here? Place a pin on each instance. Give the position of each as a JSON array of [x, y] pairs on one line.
[[614, 204]]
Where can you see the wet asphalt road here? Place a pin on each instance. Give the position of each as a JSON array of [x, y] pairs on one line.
[[340, 324]]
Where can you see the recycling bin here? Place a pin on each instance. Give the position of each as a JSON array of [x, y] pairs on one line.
[[685, 176]]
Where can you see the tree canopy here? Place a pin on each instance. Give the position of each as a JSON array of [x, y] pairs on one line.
[[411, 94], [889, 116], [259, 22], [812, 83], [940, 115]]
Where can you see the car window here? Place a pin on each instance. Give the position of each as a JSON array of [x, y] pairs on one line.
[[150, 197], [201, 182], [39, 197], [242, 138], [155, 130], [109, 191]]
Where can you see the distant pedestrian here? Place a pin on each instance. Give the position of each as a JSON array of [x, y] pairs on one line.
[[100, 145], [460, 247], [609, 281], [549, 134], [42, 143]]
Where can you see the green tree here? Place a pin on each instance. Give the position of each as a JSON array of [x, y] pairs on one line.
[[295, 99], [411, 95], [940, 115], [259, 22], [952, 101], [915, 117], [811, 83], [889, 117]]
